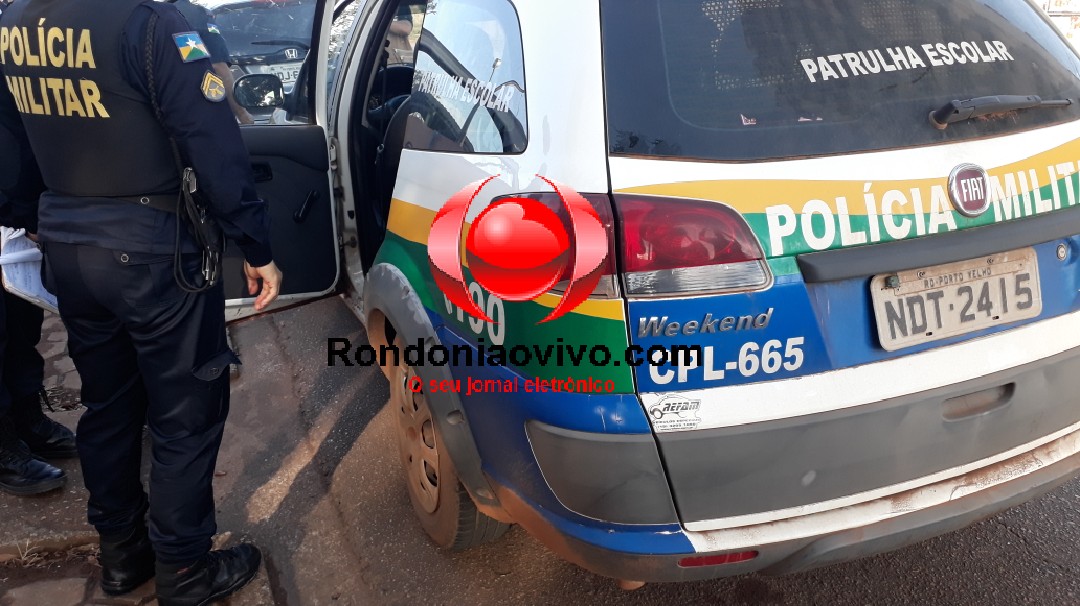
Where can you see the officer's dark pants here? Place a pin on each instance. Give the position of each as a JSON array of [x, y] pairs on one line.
[[22, 370], [146, 350]]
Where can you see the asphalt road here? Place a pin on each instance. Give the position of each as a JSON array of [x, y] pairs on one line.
[[328, 504]]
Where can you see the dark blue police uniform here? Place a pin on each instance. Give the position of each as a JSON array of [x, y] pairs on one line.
[[145, 348], [21, 366], [24, 429]]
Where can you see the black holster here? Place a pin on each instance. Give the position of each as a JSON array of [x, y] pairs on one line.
[[203, 228]]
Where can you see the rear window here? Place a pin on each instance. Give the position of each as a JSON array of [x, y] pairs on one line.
[[757, 79]]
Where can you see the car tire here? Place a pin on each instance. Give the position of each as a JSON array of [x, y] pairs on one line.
[[444, 507]]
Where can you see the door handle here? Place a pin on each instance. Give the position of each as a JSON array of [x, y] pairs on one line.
[[301, 213], [978, 403]]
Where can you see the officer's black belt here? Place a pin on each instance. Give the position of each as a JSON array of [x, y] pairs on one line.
[[165, 202]]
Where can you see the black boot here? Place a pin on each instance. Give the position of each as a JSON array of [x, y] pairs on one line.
[[20, 472], [45, 437], [216, 576], [127, 560]]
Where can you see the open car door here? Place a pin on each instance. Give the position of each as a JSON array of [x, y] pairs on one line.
[[270, 41]]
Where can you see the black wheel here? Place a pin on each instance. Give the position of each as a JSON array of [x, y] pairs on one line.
[[445, 509]]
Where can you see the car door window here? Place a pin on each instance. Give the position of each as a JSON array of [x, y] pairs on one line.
[[469, 83], [341, 32]]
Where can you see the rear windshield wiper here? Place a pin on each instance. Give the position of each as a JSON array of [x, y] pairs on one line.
[[958, 111]]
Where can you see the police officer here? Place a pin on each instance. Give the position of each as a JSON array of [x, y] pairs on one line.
[[83, 76], [398, 44], [25, 432]]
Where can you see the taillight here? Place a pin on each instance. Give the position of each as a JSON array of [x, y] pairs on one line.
[[678, 246], [606, 287]]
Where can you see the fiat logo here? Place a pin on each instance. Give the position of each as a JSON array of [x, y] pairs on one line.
[[969, 191]]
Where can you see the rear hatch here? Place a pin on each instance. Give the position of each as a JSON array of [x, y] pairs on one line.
[[786, 204]]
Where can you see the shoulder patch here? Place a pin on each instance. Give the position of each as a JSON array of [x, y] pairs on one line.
[[213, 29], [191, 46], [212, 87]]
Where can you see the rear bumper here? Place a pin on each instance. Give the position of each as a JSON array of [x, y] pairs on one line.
[[779, 469], [827, 537]]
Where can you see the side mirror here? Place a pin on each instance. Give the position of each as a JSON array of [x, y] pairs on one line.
[[259, 90]]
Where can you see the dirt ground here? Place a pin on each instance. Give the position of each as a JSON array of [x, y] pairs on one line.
[[35, 566]]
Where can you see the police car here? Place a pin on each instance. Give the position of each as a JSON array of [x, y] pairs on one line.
[[860, 219]]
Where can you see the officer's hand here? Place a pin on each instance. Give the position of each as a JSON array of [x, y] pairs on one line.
[[32, 237], [271, 283]]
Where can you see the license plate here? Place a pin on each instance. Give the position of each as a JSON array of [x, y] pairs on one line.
[[287, 72], [922, 305]]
